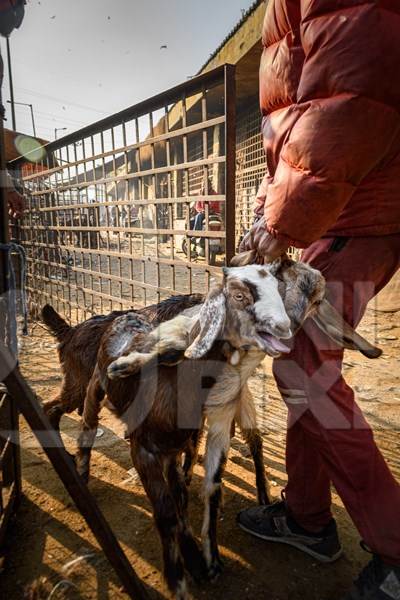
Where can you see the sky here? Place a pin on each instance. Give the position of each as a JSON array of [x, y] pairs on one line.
[[77, 61]]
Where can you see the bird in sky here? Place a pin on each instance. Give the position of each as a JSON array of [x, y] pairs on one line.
[[163, 47]]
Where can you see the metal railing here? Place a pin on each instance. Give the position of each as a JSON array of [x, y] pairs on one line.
[[113, 209]]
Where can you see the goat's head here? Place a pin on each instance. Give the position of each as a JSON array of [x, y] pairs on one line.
[[303, 290], [246, 309]]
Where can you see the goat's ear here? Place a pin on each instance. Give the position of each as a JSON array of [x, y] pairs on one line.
[[332, 323], [244, 258], [276, 266], [211, 321]]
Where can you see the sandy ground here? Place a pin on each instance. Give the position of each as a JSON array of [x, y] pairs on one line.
[[49, 533]]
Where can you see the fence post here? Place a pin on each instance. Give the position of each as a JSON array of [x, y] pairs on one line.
[[230, 161]]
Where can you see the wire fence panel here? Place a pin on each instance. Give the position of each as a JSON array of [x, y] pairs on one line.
[[251, 167], [136, 207]]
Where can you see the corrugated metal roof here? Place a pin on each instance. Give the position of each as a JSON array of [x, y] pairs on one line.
[[244, 18]]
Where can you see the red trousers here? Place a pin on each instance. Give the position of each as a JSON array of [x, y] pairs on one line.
[[328, 438]]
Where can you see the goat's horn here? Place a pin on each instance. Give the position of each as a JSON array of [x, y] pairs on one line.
[[244, 258]]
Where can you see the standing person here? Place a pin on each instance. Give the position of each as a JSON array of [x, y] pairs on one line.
[[330, 98], [214, 207]]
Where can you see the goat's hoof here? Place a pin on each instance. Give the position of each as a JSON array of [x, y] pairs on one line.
[[181, 591], [215, 569], [82, 470], [119, 369], [85, 476], [197, 568], [264, 500]]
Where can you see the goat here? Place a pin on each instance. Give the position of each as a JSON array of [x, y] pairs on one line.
[[244, 314], [78, 347], [241, 320]]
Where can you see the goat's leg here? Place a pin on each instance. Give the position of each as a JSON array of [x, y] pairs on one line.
[[191, 454], [167, 344], [151, 473], [253, 439], [54, 412], [90, 420], [193, 558], [217, 448], [247, 420], [71, 397]]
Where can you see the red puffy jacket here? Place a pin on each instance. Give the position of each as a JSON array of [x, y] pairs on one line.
[[330, 96]]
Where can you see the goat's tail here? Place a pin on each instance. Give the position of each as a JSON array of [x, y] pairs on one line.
[[55, 322]]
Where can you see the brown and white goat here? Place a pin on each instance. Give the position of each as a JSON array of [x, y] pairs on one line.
[[78, 347], [162, 408]]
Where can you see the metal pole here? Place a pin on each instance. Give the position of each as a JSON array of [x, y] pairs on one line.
[[15, 103], [33, 121], [58, 129], [14, 125], [4, 233], [230, 161]]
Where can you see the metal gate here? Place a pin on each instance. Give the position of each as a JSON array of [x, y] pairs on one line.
[[112, 208]]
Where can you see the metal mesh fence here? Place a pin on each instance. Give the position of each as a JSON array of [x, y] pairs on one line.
[[250, 165], [250, 169], [134, 208]]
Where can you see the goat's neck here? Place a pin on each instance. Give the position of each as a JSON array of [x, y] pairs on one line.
[[232, 331]]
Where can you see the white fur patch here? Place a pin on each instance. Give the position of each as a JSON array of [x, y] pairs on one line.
[[119, 343], [269, 307]]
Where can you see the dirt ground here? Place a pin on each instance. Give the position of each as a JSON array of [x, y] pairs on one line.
[[49, 533]]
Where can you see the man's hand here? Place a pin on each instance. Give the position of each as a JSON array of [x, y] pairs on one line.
[[267, 247], [16, 204]]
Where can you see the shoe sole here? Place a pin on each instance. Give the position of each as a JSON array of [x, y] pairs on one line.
[[319, 557]]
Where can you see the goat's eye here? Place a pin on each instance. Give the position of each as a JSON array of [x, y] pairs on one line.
[[238, 297]]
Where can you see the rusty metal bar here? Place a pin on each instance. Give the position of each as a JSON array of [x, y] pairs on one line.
[[142, 108], [75, 486], [149, 172]]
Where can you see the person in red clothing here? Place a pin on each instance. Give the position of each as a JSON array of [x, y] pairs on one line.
[[330, 100], [214, 207]]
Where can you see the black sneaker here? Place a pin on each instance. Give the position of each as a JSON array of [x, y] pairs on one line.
[[274, 524], [377, 581]]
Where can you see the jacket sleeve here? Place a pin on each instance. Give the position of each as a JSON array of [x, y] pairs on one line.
[[346, 121]]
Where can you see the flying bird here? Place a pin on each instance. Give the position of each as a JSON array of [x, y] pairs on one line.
[[164, 47]]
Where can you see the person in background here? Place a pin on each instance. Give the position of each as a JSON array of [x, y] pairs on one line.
[[214, 207], [330, 99]]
